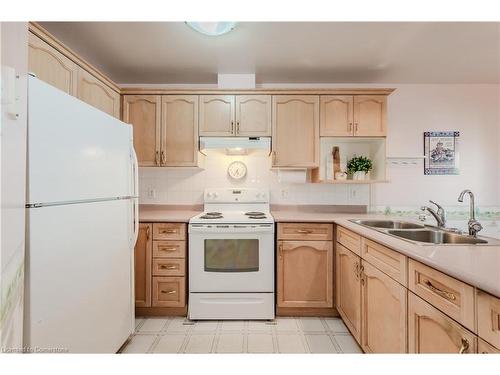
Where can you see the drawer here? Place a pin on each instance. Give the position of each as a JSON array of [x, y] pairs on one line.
[[386, 260], [484, 348], [169, 249], [169, 267], [169, 291], [488, 318], [169, 231], [453, 297], [349, 240], [305, 231]]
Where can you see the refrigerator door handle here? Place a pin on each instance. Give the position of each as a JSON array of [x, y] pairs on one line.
[[136, 195]]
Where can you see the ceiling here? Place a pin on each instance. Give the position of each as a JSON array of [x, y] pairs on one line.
[[289, 52]]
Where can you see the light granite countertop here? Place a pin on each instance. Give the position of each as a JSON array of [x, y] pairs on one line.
[[154, 213]]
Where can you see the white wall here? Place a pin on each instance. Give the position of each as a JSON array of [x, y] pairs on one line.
[[471, 109], [14, 54]]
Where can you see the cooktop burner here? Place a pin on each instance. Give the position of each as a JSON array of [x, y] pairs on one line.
[[211, 215], [257, 217], [255, 213]]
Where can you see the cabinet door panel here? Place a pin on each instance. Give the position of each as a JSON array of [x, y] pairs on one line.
[[383, 312], [142, 266], [217, 115], [348, 289], [336, 115], [488, 318], [370, 115], [430, 331], [169, 291], [94, 92], [51, 66], [253, 115], [305, 271], [295, 131], [143, 112], [179, 138]]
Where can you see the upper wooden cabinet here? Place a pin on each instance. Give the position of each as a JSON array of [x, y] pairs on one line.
[[144, 113], [296, 131], [353, 115], [253, 115], [370, 115], [142, 265], [179, 130], [51, 66], [217, 115], [97, 94]]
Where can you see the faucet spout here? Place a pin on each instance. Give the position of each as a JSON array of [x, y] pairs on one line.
[[474, 225]]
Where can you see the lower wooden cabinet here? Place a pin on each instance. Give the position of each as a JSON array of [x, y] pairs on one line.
[[431, 331], [305, 270], [488, 318], [169, 291], [383, 312], [348, 289], [142, 268], [484, 348]]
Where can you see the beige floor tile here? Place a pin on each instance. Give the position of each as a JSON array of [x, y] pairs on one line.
[[320, 344], [233, 325], [140, 344], [286, 324], [200, 343], [259, 326], [290, 343], [336, 325], [138, 322], [260, 343], [152, 325], [311, 325], [347, 344], [206, 326], [230, 343], [170, 343], [176, 325]]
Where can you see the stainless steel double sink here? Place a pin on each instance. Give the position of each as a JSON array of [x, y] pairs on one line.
[[424, 234]]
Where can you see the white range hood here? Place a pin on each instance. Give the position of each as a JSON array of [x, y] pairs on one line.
[[235, 145]]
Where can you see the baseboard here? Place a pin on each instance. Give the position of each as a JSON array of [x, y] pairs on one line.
[[161, 311], [307, 311]]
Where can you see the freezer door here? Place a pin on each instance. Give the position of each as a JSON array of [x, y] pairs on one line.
[[79, 282], [75, 151]]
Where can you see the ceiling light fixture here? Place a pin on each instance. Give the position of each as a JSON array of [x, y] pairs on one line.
[[212, 28]]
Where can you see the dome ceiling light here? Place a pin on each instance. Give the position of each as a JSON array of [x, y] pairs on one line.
[[212, 28]]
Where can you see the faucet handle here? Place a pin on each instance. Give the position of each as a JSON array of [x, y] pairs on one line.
[[437, 205]]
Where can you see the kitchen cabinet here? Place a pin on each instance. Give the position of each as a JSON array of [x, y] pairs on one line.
[[179, 130], [370, 115], [305, 270], [484, 348], [217, 117], [142, 265], [336, 115], [144, 113], [488, 318], [169, 292], [383, 312], [253, 115], [348, 289], [295, 131], [96, 93], [431, 331], [51, 66]]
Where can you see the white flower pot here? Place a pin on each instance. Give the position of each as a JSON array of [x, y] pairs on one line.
[[359, 175]]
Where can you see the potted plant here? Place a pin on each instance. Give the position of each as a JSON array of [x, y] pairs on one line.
[[359, 166]]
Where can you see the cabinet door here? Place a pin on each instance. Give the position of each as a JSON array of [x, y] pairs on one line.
[[488, 317], [179, 131], [383, 312], [336, 115], [431, 331], [348, 289], [51, 66], [143, 112], [484, 348], [217, 115], [295, 131], [143, 260], [305, 270], [370, 115], [253, 115], [96, 93]]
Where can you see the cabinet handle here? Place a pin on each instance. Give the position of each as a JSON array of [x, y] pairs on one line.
[[147, 232], [168, 267], [350, 127], [157, 157], [281, 250], [495, 321], [465, 346], [355, 127], [443, 293], [232, 127], [356, 270], [163, 157], [168, 231], [168, 248], [168, 291], [237, 127], [304, 231]]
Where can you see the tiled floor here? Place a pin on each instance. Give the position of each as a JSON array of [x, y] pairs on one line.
[[287, 335]]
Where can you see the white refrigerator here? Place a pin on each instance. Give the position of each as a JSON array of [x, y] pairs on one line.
[[82, 224]]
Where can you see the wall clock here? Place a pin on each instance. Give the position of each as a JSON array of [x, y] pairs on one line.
[[237, 170]]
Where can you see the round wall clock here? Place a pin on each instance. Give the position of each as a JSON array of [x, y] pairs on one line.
[[237, 170]]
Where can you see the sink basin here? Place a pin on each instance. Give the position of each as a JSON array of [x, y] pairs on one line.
[[388, 224], [436, 237]]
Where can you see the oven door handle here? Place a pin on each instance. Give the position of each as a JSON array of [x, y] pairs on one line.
[[230, 229]]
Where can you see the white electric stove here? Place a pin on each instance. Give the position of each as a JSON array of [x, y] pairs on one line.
[[231, 256]]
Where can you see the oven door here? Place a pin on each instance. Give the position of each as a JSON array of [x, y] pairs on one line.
[[231, 258]]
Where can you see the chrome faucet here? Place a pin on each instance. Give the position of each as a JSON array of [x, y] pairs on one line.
[[439, 214], [474, 225]]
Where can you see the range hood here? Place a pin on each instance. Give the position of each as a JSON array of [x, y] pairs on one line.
[[235, 145]]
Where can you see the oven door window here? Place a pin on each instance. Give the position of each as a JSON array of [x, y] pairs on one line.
[[231, 255]]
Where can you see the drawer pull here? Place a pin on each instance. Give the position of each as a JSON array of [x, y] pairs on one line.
[[465, 346], [168, 291], [169, 267], [304, 231], [443, 293], [147, 233], [168, 248], [168, 231], [495, 321]]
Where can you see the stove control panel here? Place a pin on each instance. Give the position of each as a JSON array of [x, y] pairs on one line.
[[235, 195]]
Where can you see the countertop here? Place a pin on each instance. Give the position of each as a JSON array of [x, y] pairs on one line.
[[477, 265]]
